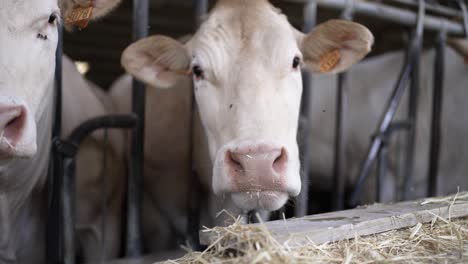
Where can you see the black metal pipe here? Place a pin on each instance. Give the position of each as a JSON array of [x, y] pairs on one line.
[[382, 170], [396, 15], [69, 209], [201, 9], [438, 9], [301, 204], [437, 99], [339, 160], [339, 168], [464, 12], [413, 103], [54, 252], [104, 195], [133, 245], [195, 196], [411, 133], [109, 121]]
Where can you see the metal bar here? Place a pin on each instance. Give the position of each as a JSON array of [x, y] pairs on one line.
[[437, 99], [109, 121], [54, 252], [339, 166], [340, 145], [68, 209], [301, 205], [201, 9], [133, 246], [464, 11], [382, 169], [384, 124], [104, 194], [432, 7], [194, 204], [393, 14], [413, 103]]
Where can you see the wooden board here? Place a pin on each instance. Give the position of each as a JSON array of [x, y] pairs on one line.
[[366, 220]]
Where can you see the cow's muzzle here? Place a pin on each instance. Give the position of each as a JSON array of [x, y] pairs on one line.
[[256, 176], [17, 129]]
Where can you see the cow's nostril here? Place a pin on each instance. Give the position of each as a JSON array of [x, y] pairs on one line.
[[14, 127], [234, 161], [280, 162]]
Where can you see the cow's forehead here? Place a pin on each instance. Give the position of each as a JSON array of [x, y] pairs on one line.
[[246, 21], [20, 13], [242, 30]]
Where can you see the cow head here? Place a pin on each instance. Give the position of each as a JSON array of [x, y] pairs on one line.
[[245, 61], [28, 39]]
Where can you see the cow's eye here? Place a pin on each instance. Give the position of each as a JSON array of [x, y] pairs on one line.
[[198, 72], [296, 62], [52, 18]]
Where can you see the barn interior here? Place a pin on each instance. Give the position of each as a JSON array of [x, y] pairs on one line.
[[97, 49]]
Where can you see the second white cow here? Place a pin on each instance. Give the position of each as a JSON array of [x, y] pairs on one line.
[[245, 66]]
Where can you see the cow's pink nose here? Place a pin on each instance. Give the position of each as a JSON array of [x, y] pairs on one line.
[[257, 168], [12, 123]]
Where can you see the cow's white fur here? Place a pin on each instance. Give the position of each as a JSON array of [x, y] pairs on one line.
[[250, 93], [27, 64]]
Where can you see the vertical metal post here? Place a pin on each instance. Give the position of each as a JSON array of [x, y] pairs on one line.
[[54, 250], [193, 221], [382, 170], [340, 144], [437, 99], [201, 8], [104, 194], [68, 210], [133, 247], [413, 103], [339, 161], [310, 13]]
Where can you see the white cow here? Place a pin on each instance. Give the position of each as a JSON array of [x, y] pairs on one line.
[[27, 63], [370, 85], [244, 63]]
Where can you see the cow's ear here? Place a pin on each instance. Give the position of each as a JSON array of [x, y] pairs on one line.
[[158, 61], [100, 7], [334, 46]]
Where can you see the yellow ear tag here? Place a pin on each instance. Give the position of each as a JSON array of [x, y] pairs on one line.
[[80, 16], [183, 72], [329, 60]]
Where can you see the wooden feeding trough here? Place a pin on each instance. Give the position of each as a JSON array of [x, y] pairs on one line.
[[427, 231]]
